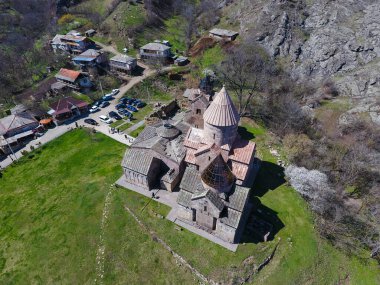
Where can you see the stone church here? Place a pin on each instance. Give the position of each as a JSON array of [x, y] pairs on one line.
[[212, 166]]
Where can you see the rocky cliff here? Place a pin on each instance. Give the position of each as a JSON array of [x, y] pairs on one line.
[[319, 39]]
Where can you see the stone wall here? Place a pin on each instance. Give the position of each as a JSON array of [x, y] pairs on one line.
[[220, 135]]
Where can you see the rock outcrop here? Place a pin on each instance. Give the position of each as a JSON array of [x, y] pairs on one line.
[[319, 39]]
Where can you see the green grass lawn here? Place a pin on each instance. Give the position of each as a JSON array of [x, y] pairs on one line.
[[50, 224], [51, 208], [136, 132]]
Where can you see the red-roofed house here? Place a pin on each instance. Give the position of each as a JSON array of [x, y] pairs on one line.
[[74, 79], [67, 108]]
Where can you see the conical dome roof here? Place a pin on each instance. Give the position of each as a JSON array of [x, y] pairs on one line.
[[222, 111], [218, 175]]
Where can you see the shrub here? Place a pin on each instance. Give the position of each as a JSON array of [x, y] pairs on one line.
[[65, 19]]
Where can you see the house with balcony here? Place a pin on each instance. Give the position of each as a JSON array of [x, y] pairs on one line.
[[123, 63], [70, 43], [155, 51], [73, 79]]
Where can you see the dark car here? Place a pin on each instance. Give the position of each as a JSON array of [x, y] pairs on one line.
[[104, 104], [120, 106], [124, 100], [97, 103], [131, 108], [91, 122], [114, 115], [125, 113], [140, 105]]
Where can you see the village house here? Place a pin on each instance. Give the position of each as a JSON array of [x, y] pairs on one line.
[[71, 43], [155, 51], [66, 109], [221, 34], [73, 79], [90, 58], [213, 167], [15, 130], [123, 63], [90, 33]]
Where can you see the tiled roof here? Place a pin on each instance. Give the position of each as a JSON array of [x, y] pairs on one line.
[[138, 160], [231, 218], [67, 74], [222, 111], [148, 133], [211, 196], [191, 180], [184, 198], [15, 121], [238, 197], [240, 170], [65, 105], [242, 151]]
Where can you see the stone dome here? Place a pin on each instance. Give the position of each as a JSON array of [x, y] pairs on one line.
[[168, 131], [222, 111]]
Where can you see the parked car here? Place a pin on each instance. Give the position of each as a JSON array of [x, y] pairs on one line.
[[125, 113], [108, 97], [97, 103], [140, 105], [91, 122], [115, 91], [120, 106], [123, 99], [105, 119], [114, 115], [131, 108], [104, 104], [94, 109]]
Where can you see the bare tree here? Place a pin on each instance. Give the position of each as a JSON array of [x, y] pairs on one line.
[[245, 72]]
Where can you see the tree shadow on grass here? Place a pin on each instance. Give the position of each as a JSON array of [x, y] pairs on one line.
[[245, 134]]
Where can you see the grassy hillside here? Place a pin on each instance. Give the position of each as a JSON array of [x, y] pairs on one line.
[[51, 225], [52, 204]]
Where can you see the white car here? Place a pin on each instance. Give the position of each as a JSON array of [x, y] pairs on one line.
[[105, 119], [115, 91], [94, 109]]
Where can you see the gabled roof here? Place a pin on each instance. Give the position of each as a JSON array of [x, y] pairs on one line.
[[138, 160], [155, 46], [191, 181], [123, 58], [67, 74], [222, 111], [88, 55], [65, 105], [211, 196], [16, 121]]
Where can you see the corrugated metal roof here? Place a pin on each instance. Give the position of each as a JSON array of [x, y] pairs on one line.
[[16, 121], [222, 111], [123, 58]]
